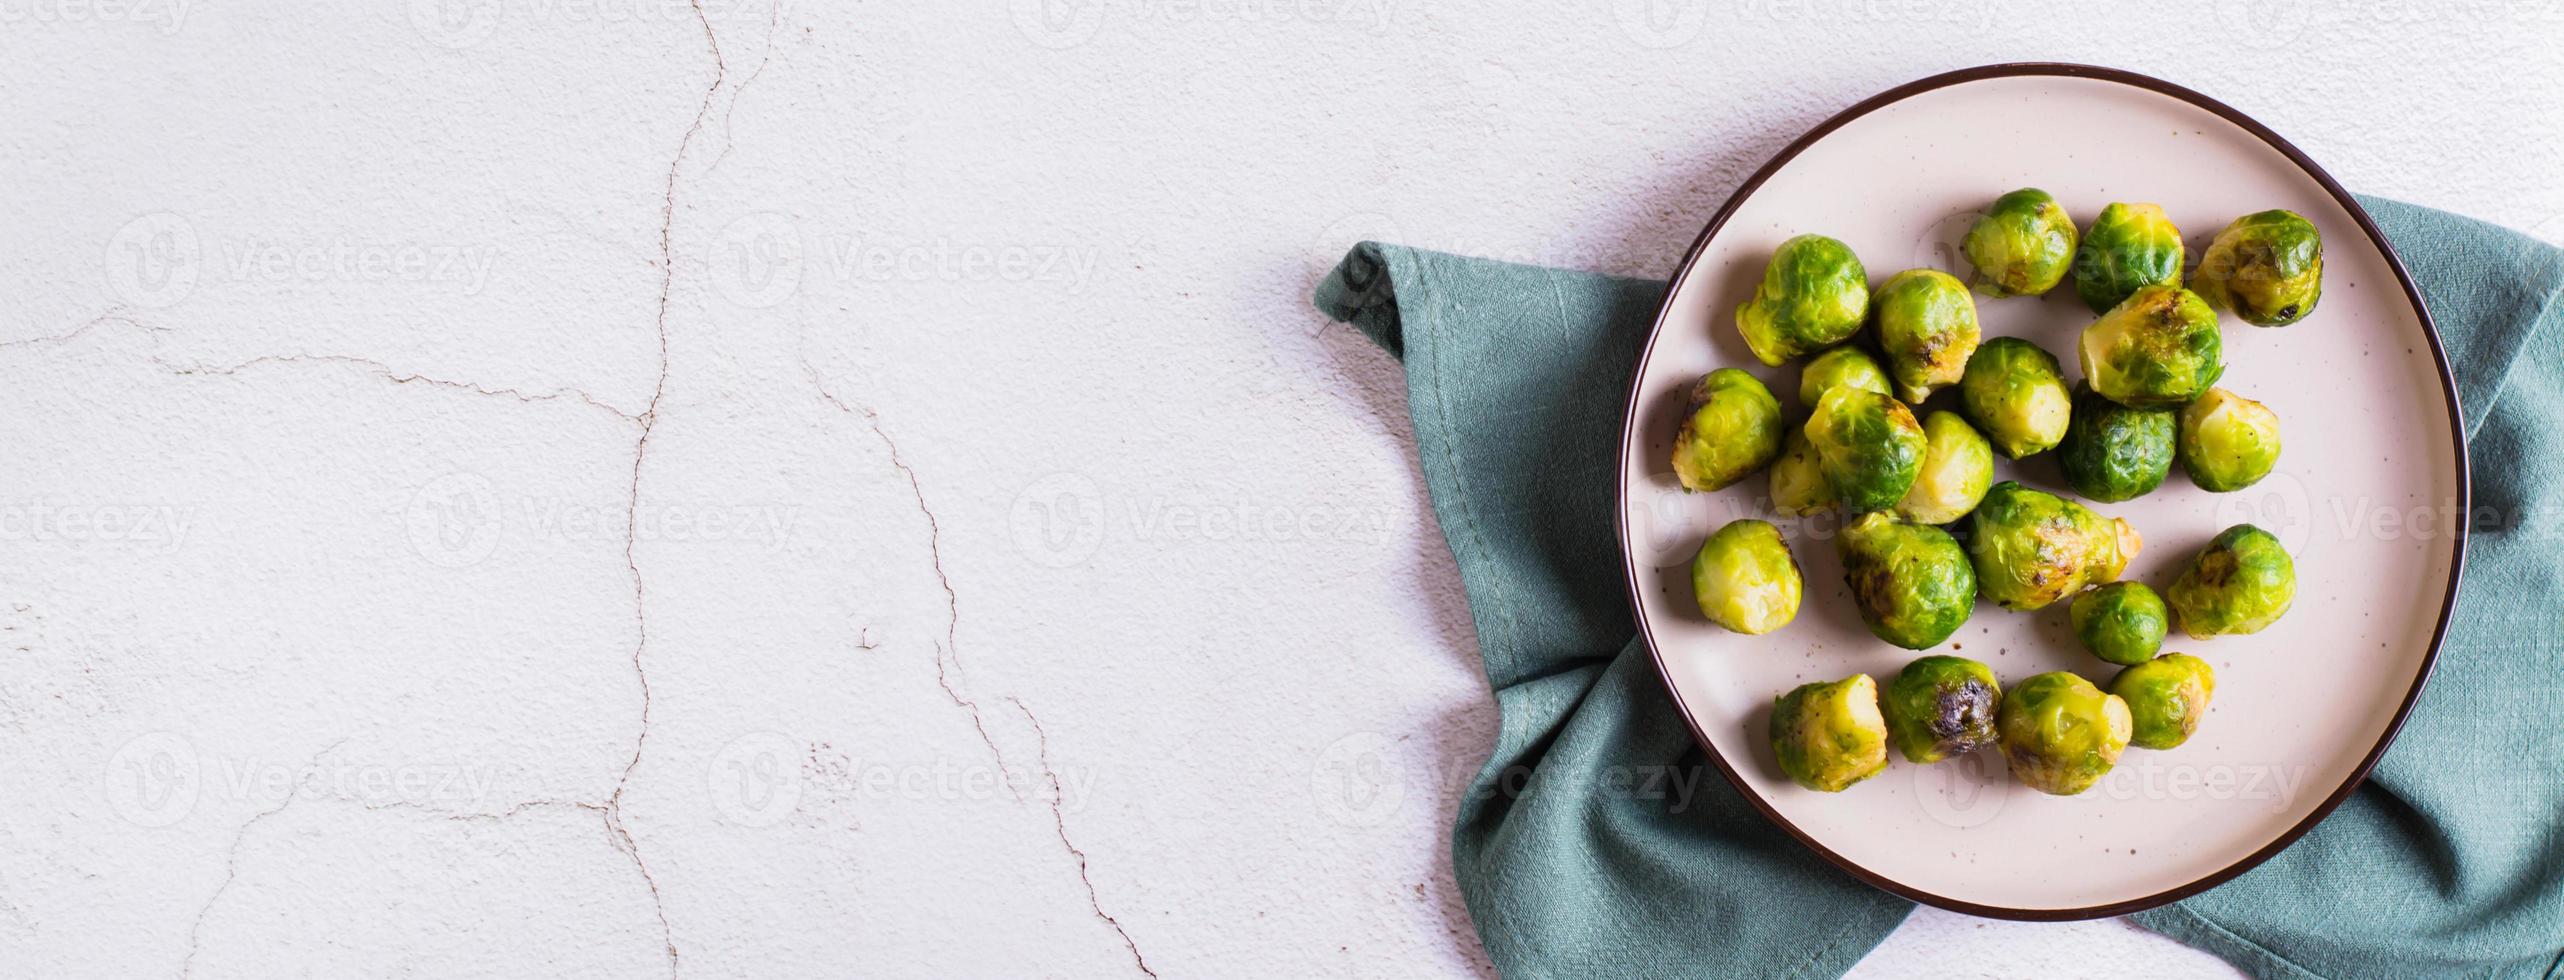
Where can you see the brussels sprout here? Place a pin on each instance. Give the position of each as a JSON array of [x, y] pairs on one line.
[[1814, 295], [1830, 735], [1938, 707], [2228, 441], [2061, 734], [2241, 582], [1927, 328], [2158, 349], [1745, 579], [2268, 268], [2122, 622], [2128, 246], [1868, 445], [1732, 428], [1958, 465], [2022, 245], [1911, 582], [2031, 548], [1840, 366], [2015, 393], [2112, 452], [1798, 480], [2166, 698]]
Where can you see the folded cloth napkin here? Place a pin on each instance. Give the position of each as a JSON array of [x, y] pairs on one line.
[[2450, 860]]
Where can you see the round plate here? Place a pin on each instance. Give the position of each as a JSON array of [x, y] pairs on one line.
[[2365, 497]]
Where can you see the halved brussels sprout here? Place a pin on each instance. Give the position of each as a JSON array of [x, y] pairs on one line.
[[1868, 445], [1814, 295], [2061, 734], [1745, 579], [2228, 441], [2031, 548], [1958, 466], [2267, 267], [1731, 429], [2112, 452], [1911, 582], [2121, 622], [2016, 394], [1840, 366], [1927, 328], [1798, 479], [2022, 245], [1830, 735], [2166, 698], [1938, 707], [2159, 349], [2128, 246], [2242, 582]]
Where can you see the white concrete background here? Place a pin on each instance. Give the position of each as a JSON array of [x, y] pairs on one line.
[[573, 487]]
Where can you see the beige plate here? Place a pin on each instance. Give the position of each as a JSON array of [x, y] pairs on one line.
[[2364, 497]]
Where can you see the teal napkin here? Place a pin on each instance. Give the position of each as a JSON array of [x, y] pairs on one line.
[[2449, 860]]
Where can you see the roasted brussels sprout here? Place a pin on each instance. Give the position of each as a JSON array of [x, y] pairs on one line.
[[2158, 349], [2022, 245], [2121, 622], [1745, 579], [1840, 366], [1731, 429], [1938, 707], [1927, 328], [1868, 445], [2112, 452], [2031, 548], [2241, 582], [1814, 295], [2016, 394], [1830, 735], [2166, 698], [2061, 734], [2128, 246], [1958, 466], [1911, 582], [2268, 268], [1798, 479], [2228, 441]]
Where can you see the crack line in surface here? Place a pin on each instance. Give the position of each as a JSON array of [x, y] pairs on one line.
[[231, 857], [398, 377], [774, 14], [1059, 821], [113, 315]]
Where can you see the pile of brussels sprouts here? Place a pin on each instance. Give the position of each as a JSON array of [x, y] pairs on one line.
[[1928, 530]]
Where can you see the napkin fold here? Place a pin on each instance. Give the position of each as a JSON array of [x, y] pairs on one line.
[[2449, 859]]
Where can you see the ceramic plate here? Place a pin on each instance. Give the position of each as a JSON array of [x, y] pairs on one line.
[[2364, 497]]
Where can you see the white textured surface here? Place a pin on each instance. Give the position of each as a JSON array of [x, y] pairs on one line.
[[1017, 575]]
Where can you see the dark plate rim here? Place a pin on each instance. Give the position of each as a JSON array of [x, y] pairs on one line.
[[1629, 434]]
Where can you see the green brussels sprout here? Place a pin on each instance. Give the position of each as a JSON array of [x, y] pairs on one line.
[[2166, 698], [1958, 465], [1814, 295], [2228, 441], [1745, 579], [1911, 582], [2061, 734], [1731, 428], [1938, 707], [2159, 349], [1868, 445], [2268, 268], [2031, 548], [1927, 328], [2016, 393], [1798, 480], [1830, 735], [2022, 245], [2241, 582], [2121, 622], [1840, 366], [2112, 452], [2128, 246]]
